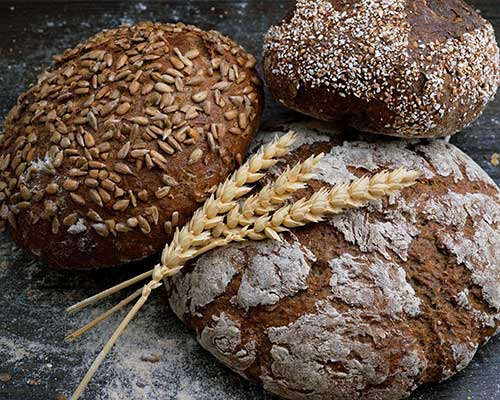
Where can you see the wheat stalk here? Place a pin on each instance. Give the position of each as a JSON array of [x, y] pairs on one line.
[[193, 236], [229, 191]]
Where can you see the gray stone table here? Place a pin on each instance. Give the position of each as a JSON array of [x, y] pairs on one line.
[[157, 358]]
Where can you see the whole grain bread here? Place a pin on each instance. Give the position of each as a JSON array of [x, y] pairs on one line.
[[419, 68], [122, 139], [369, 304]]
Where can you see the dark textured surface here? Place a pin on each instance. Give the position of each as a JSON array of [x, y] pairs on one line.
[[32, 321]]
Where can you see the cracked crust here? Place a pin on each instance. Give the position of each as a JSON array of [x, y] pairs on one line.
[[384, 299]]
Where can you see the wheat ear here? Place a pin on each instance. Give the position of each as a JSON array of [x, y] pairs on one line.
[[250, 172], [196, 234], [270, 197], [324, 203]]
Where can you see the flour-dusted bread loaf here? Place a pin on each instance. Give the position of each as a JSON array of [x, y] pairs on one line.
[[410, 68], [122, 139], [370, 304]]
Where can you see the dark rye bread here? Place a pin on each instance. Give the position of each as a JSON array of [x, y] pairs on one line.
[[419, 68], [370, 304], [122, 139]]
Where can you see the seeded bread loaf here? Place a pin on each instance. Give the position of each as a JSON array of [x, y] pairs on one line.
[[370, 304], [402, 68], [122, 139]]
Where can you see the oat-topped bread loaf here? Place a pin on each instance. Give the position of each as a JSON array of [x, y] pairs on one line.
[[122, 139], [370, 304], [409, 68]]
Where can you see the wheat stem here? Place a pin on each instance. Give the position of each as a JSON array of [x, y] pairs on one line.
[[146, 291], [108, 292], [196, 234], [232, 189], [74, 335]]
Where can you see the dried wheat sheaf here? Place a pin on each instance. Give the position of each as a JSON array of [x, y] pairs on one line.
[[225, 217]]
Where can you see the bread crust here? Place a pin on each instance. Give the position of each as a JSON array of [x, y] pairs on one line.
[[369, 304], [420, 68], [122, 139]]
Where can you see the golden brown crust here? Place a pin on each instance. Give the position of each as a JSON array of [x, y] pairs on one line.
[[122, 139], [402, 68]]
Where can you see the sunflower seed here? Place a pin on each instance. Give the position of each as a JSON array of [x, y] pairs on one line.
[[191, 54], [243, 120], [96, 164], [70, 219], [222, 86], [230, 115], [55, 225], [101, 229], [108, 184], [91, 182], [177, 63], [55, 137], [89, 140], [23, 205], [121, 61], [121, 205], [144, 224], [92, 120], [132, 222], [196, 80], [211, 141], [224, 68], [115, 177], [94, 216], [123, 169], [83, 90], [200, 96], [163, 88], [215, 63], [70, 185], [105, 196], [104, 147], [162, 192], [134, 87], [143, 195], [175, 218], [171, 140], [95, 197], [195, 156], [143, 121], [166, 147], [108, 107], [139, 153], [167, 226], [123, 152], [123, 108], [192, 113], [77, 199], [236, 100], [122, 228]]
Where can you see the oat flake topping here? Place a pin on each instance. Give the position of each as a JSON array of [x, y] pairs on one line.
[[366, 50]]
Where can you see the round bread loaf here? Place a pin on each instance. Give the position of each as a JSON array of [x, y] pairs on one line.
[[369, 304], [402, 68], [122, 139]]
